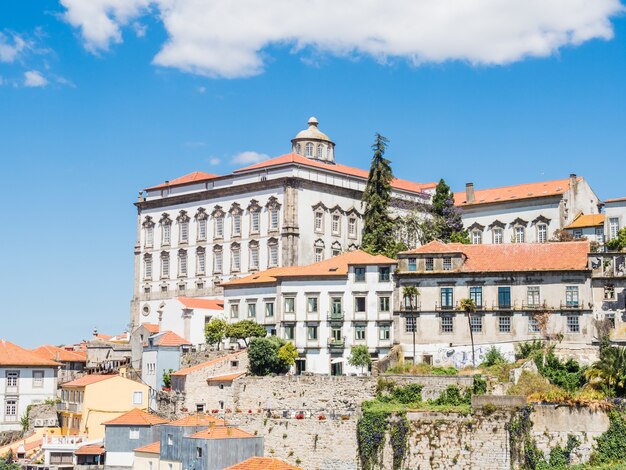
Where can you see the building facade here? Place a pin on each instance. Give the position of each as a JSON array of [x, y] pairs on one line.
[[615, 211]]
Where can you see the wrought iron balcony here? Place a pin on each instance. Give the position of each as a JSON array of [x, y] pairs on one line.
[[337, 343]]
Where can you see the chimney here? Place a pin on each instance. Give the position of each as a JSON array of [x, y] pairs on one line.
[[469, 192], [573, 182]]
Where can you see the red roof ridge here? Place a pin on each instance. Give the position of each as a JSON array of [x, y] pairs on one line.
[[136, 417], [263, 463], [189, 178], [199, 302], [13, 355], [169, 338], [154, 448]]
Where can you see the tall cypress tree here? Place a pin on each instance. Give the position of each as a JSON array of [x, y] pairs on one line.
[[377, 225], [447, 217]]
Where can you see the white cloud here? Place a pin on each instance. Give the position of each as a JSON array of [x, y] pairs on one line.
[[140, 29], [214, 161], [227, 38], [34, 79], [249, 157], [10, 49]]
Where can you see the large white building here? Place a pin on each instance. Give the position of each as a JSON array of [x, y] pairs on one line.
[[199, 230], [324, 308]]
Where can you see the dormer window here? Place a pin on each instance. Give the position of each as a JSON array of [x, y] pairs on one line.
[[498, 236], [519, 234], [542, 233], [447, 264], [477, 237]]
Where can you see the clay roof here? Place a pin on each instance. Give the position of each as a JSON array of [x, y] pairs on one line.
[[336, 266], [151, 327], [90, 450], [221, 432], [195, 177], [136, 417], [225, 378], [435, 247], [209, 304], [587, 220], [154, 448], [617, 199], [188, 370], [562, 256], [169, 338], [516, 192], [103, 336], [14, 355], [54, 353], [335, 168], [88, 380], [263, 463], [199, 419]]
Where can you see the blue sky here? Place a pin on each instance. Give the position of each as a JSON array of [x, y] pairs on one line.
[[89, 116]]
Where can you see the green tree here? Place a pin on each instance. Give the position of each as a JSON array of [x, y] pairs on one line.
[[215, 332], [360, 357], [167, 378], [288, 353], [263, 356], [244, 330], [378, 237], [469, 307], [618, 243], [609, 373], [447, 218]]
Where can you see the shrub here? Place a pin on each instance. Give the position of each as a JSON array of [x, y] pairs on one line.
[[264, 358], [527, 349], [568, 375], [493, 357], [452, 396]]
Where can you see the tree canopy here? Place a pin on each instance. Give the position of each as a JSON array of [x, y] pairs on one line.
[[244, 330], [215, 331], [264, 356], [360, 356]]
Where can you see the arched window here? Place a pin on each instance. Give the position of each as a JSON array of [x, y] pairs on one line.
[[320, 151], [308, 150], [182, 263], [298, 149], [201, 260], [235, 257]]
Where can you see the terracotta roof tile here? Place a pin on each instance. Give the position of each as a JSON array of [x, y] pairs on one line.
[[136, 417], [195, 177], [154, 448], [563, 256], [188, 370], [225, 378], [263, 463], [587, 220], [169, 338], [88, 380], [336, 266], [54, 353], [209, 304], [617, 199], [221, 432], [90, 450], [515, 192], [14, 355], [151, 327], [198, 419]]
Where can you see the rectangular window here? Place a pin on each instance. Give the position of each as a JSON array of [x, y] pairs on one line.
[[219, 227], [542, 233], [165, 266], [359, 332], [359, 304], [477, 237], [37, 378], [234, 310], [311, 333], [383, 304], [578, 233], [147, 268], [519, 234], [182, 264], [236, 259], [252, 310], [167, 234], [573, 324], [498, 236], [429, 264], [476, 294], [289, 332], [202, 229], [149, 236], [359, 274], [412, 264], [170, 442], [384, 274], [447, 324], [476, 321], [533, 297], [254, 222], [184, 232], [504, 297], [10, 407], [274, 219], [319, 221], [384, 332], [609, 292], [336, 252], [319, 254], [201, 262], [600, 234], [236, 225], [290, 305], [613, 227], [352, 227], [336, 224], [447, 264], [269, 309], [533, 325], [198, 452], [137, 398], [447, 298], [254, 257], [133, 433], [410, 324], [337, 308], [504, 324], [217, 261], [571, 296], [311, 304], [335, 334], [273, 255]]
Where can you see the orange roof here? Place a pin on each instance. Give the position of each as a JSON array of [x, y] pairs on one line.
[[225, 378], [195, 177], [14, 355], [561, 256], [151, 327], [136, 417], [587, 220], [169, 338], [336, 168], [511, 193], [263, 463], [199, 419], [335, 266], [209, 304], [154, 448], [90, 450], [188, 370], [54, 353], [617, 199], [221, 432], [103, 336], [88, 380]]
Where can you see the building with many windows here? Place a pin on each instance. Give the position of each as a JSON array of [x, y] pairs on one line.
[[525, 213], [324, 308], [522, 292]]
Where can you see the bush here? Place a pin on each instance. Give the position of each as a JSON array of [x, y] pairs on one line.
[[610, 445], [493, 357], [452, 396], [264, 358], [568, 375], [528, 349]]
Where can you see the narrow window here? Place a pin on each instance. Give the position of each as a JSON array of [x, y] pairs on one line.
[[384, 333], [217, 262], [477, 237], [571, 296], [534, 299], [165, 266], [573, 324], [613, 228], [447, 264], [533, 325], [308, 149], [201, 261], [359, 304], [447, 298], [359, 274], [319, 254], [147, 268], [519, 234], [359, 332], [352, 227], [182, 263], [429, 264], [383, 304], [274, 219], [336, 225], [312, 333], [149, 236], [476, 321], [236, 259], [219, 227], [269, 309], [236, 225], [476, 294], [290, 305], [410, 324], [542, 233], [273, 258], [234, 310], [319, 221], [289, 332], [498, 236], [254, 221], [167, 233], [252, 310], [504, 297], [254, 257], [311, 304], [202, 229], [184, 232], [137, 398]]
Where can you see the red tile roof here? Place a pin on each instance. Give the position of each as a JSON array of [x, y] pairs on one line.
[[88, 380], [188, 370], [195, 177], [587, 220], [336, 266], [169, 338], [90, 450], [14, 355], [221, 432], [208, 304], [225, 378], [292, 158], [563, 256], [198, 419], [54, 353], [516, 192], [154, 448], [263, 463], [151, 327], [136, 417], [617, 199]]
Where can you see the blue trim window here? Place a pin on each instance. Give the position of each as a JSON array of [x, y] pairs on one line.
[[476, 294], [447, 297], [504, 297]]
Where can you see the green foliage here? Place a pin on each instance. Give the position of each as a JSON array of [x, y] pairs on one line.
[[167, 378], [360, 357], [610, 446], [493, 357], [447, 218], [522, 445], [467, 305], [480, 385], [370, 435], [8, 462], [263, 356], [527, 349], [288, 353], [618, 243], [560, 457], [399, 431], [568, 375], [421, 369], [452, 396], [244, 330], [215, 331], [609, 373]]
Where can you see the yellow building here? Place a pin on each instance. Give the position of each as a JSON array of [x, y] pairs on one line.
[[88, 402]]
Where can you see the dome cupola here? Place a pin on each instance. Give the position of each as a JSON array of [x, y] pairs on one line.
[[314, 144]]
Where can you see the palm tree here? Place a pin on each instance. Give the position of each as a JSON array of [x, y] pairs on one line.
[[411, 293], [469, 306], [610, 371]]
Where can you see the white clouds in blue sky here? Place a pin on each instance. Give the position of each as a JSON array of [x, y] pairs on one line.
[[226, 38], [11, 46], [249, 157], [34, 79]]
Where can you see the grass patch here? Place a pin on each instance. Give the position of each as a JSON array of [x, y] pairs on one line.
[[422, 369]]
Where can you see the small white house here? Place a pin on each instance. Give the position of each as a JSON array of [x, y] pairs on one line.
[[25, 379]]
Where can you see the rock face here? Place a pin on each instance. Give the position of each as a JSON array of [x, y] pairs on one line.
[[42, 415]]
